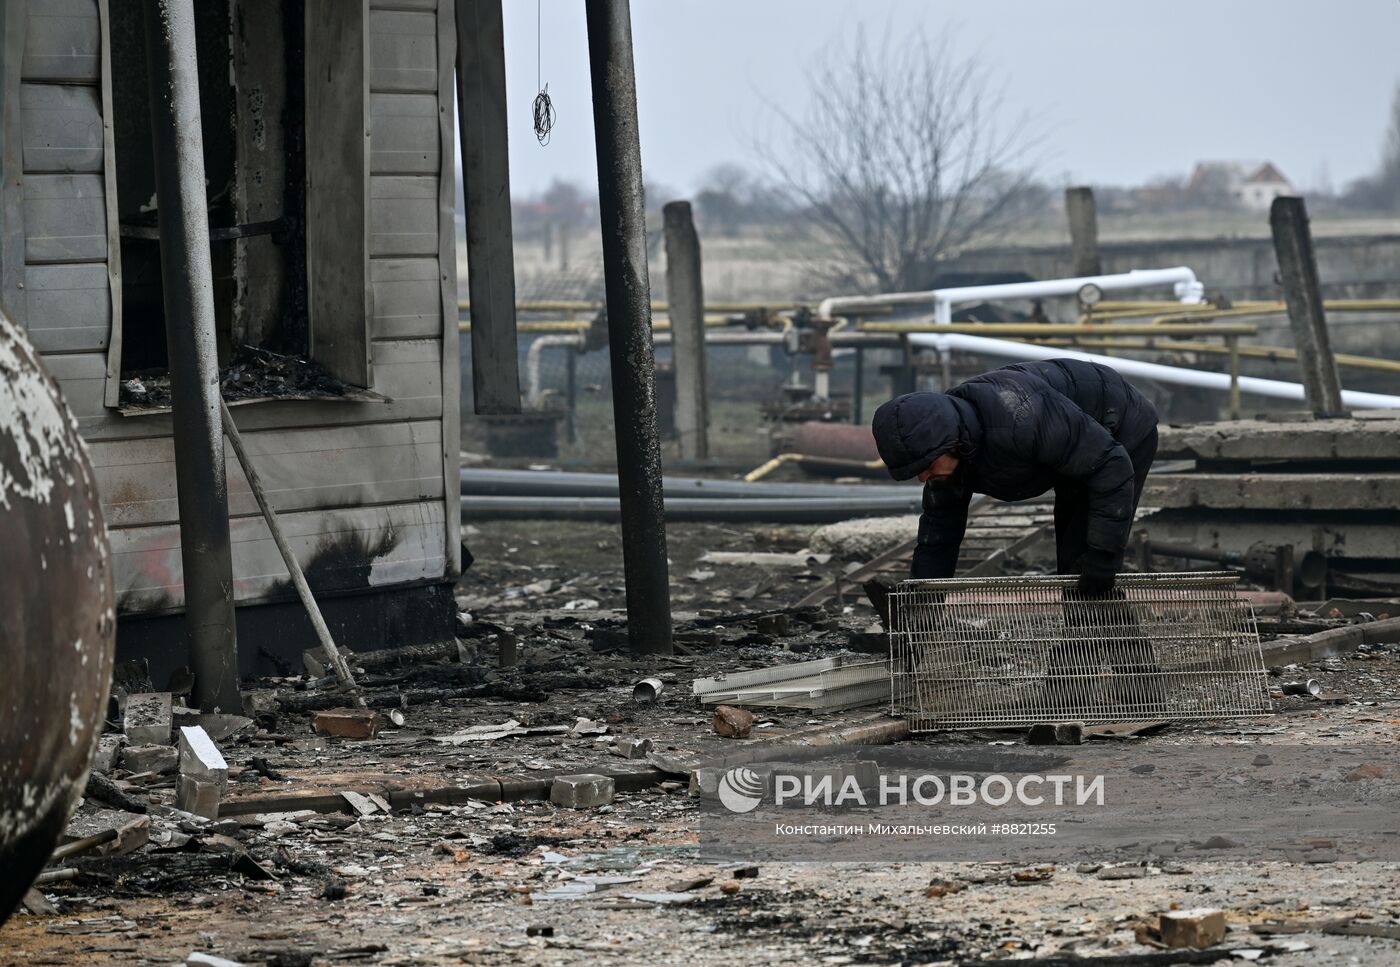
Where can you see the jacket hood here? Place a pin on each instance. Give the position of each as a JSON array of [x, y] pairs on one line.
[[911, 431]]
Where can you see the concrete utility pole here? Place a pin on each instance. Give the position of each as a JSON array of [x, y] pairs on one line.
[[685, 296], [1083, 231], [629, 325], [188, 283], [1297, 268], [481, 93]]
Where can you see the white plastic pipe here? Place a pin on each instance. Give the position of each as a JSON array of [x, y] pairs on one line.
[[1174, 375], [535, 353], [1184, 284]]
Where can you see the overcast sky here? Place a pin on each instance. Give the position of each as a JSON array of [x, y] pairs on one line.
[[1122, 91]]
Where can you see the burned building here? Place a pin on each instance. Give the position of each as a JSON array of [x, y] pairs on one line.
[[328, 148]]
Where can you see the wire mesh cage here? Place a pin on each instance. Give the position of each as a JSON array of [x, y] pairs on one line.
[[1012, 651]]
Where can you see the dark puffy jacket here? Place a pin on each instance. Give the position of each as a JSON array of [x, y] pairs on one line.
[[1018, 431]]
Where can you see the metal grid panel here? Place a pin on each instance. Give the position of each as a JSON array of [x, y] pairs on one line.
[[1011, 651]]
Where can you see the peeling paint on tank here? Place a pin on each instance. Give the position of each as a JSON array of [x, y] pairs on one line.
[[36, 443], [53, 697]]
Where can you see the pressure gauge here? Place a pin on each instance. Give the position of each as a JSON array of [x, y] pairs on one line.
[[1089, 294]]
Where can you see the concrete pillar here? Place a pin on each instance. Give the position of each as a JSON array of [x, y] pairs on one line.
[[686, 298], [1083, 231], [1297, 268]]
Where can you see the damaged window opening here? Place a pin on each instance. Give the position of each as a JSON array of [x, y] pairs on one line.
[[253, 106]]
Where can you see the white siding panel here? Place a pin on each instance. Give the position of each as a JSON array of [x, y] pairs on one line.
[[300, 469], [402, 51], [404, 134], [65, 218], [407, 298], [68, 308], [62, 41], [408, 371], [403, 216], [62, 126], [404, 541]]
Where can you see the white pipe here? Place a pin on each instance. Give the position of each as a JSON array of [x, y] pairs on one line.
[[1184, 284], [1176, 375], [532, 359]]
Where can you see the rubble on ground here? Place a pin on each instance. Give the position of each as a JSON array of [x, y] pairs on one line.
[[544, 809], [863, 538]]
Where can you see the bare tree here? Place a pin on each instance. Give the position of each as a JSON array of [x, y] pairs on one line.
[[899, 160], [1381, 191]]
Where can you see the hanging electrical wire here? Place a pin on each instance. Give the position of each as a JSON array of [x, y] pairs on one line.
[[544, 108]]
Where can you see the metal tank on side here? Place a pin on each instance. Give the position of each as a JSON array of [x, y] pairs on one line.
[[57, 618]]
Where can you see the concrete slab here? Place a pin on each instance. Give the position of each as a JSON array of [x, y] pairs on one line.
[[1274, 491], [1349, 439], [1231, 531]]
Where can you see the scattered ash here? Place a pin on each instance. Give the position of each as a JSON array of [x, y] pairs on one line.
[[253, 373], [514, 846], [801, 916]]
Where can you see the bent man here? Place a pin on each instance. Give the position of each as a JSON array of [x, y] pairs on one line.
[[1016, 433]]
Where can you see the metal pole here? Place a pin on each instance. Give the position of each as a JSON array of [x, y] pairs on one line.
[[1297, 266], [629, 325], [194, 368]]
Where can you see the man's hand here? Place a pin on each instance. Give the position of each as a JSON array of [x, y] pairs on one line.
[[1096, 573]]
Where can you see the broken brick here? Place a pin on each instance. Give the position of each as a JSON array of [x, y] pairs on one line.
[[731, 722], [348, 723], [1368, 770], [159, 759], [104, 757], [1199, 928], [199, 798]]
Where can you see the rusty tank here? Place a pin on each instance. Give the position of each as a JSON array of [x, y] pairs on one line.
[[837, 450], [57, 619]]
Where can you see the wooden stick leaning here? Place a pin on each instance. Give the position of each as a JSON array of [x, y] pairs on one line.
[[333, 654]]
